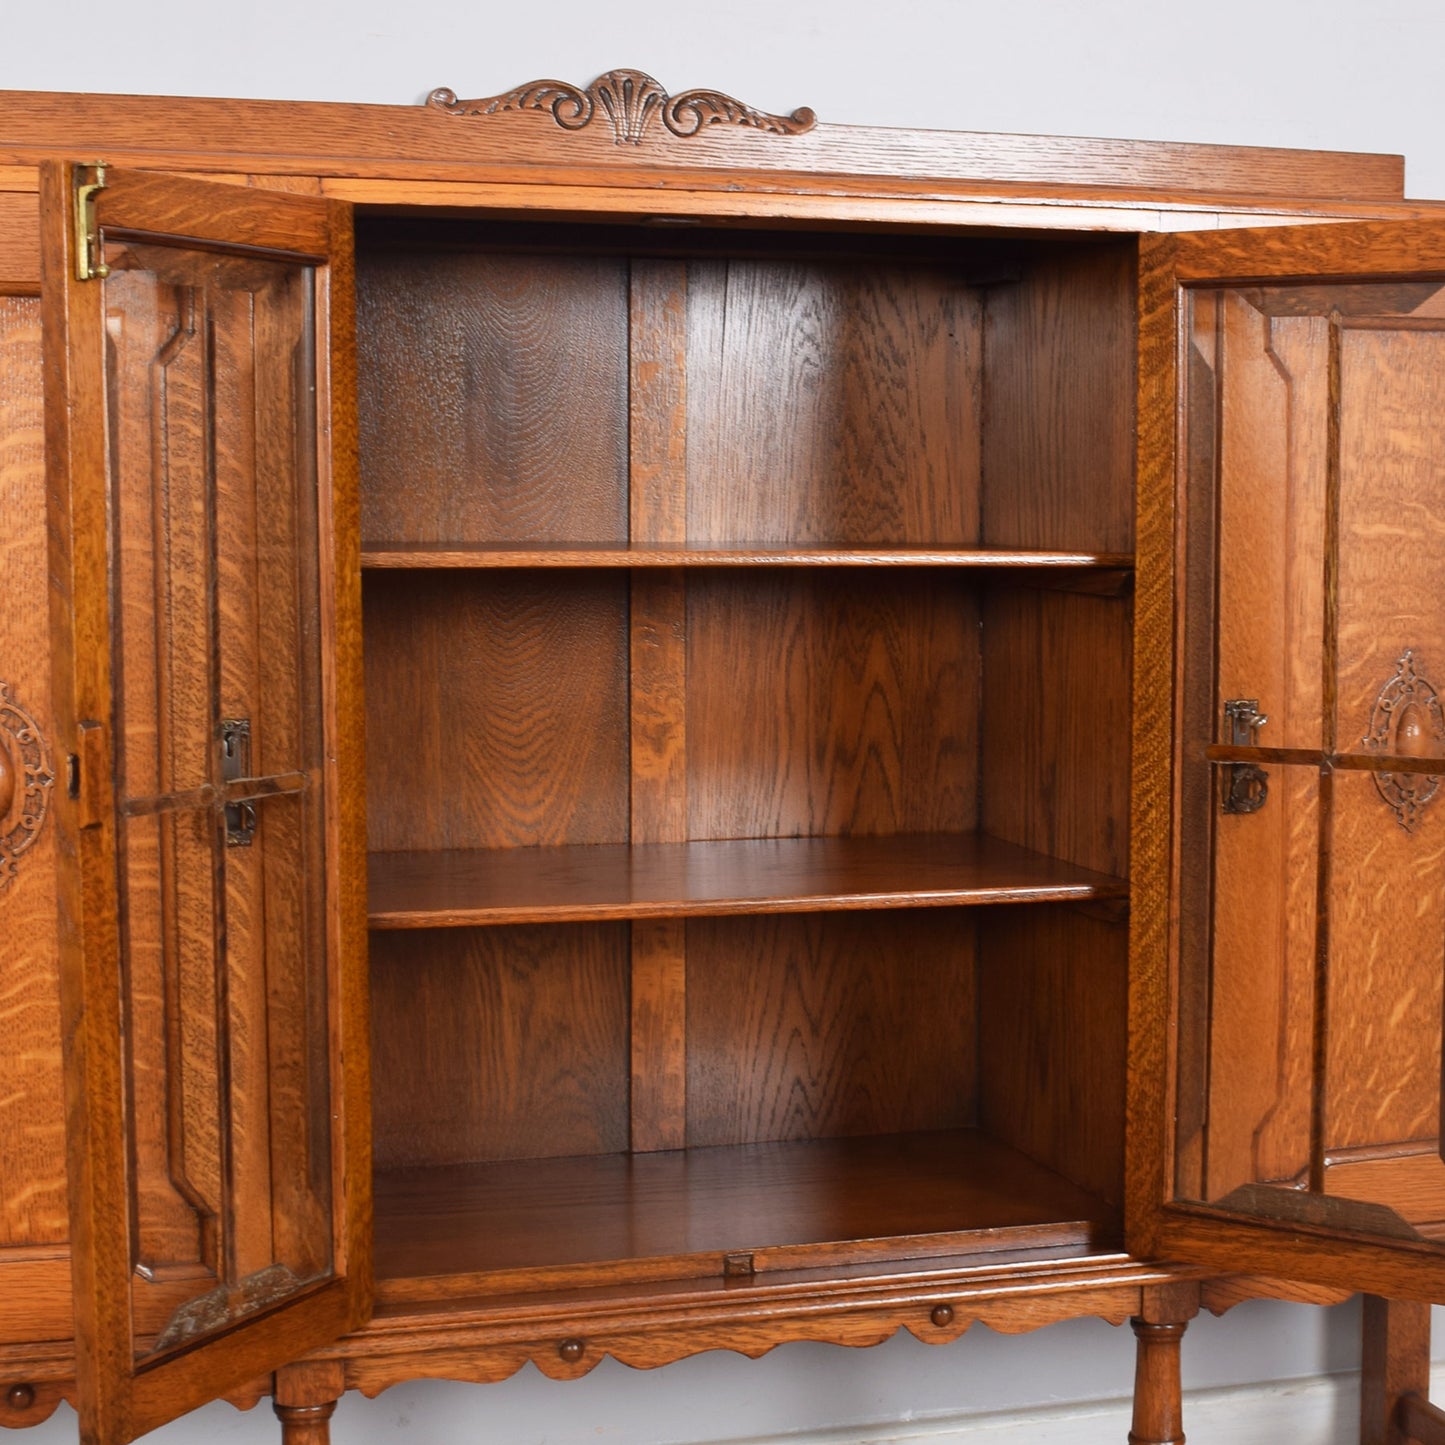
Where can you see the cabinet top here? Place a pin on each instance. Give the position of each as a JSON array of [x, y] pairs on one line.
[[625, 129]]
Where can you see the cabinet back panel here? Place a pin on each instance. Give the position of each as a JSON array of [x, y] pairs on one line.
[[496, 709], [806, 1027], [844, 703], [499, 1043], [1052, 988], [1056, 669], [1058, 448], [831, 402], [33, 1208], [493, 397]]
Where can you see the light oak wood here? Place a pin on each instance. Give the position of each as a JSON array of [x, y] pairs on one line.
[[793, 653]]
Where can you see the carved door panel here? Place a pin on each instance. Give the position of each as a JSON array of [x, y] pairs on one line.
[[1308, 868], [205, 564]]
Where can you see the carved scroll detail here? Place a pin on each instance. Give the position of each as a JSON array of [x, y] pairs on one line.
[[1407, 722], [629, 100], [25, 779]]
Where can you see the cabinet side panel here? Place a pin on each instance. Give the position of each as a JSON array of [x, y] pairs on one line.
[[836, 1024], [1056, 670], [831, 402], [843, 704], [1051, 1010], [32, 1114], [497, 711], [1058, 445], [499, 1043], [493, 397]]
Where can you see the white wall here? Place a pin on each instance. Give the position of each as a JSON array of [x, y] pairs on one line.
[[1317, 73]]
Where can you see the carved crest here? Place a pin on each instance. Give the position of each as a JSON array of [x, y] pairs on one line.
[[25, 779], [629, 101], [1407, 722]]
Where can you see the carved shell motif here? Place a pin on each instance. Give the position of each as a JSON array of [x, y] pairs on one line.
[[629, 101], [25, 779], [1407, 723]]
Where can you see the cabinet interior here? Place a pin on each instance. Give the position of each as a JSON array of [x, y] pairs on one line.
[[747, 630]]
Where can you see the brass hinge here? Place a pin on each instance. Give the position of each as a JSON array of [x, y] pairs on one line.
[[88, 265]]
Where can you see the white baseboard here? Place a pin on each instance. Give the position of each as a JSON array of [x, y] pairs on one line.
[[1322, 1410]]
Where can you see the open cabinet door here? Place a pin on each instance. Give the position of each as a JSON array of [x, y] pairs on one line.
[[1290, 833], [205, 574]]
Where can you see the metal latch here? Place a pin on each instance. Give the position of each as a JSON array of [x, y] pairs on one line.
[[88, 264], [236, 763], [1246, 785]]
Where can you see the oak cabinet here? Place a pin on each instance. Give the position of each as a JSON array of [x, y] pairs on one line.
[[897, 718]]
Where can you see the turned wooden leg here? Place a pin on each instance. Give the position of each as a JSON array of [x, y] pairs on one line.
[[1395, 1375], [1159, 1328], [305, 1398], [306, 1424]]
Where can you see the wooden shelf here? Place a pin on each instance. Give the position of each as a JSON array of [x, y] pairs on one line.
[[751, 875], [528, 1223], [381, 555]]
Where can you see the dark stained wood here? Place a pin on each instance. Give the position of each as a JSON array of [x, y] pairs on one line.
[[1056, 675], [515, 372], [820, 704], [1058, 449], [789, 1205], [1158, 1417], [496, 710], [777, 451], [752, 554], [32, 1100], [657, 692], [659, 1034], [657, 402], [793, 1026], [1052, 985], [782, 875], [1394, 1366], [1420, 1421], [505, 1043]]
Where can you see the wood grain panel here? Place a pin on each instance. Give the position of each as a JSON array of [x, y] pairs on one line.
[[162, 561], [657, 696], [659, 1034], [1273, 382], [499, 1043], [1262, 990], [19, 241], [32, 1107], [804, 1027], [496, 710], [493, 396], [1392, 517], [1056, 676], [657, 401], [1052, 1040], [1058, 446], [821, 703], [1386, 942], [789, 1205], [829, 402]]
